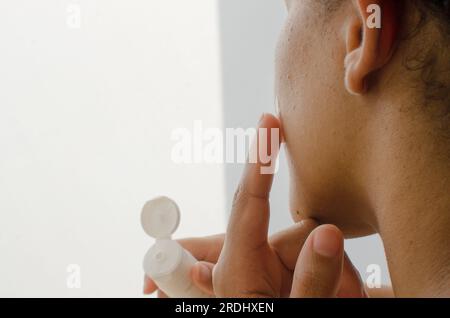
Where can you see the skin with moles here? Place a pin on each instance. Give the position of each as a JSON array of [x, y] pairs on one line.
[[362, 154], [325, 144]]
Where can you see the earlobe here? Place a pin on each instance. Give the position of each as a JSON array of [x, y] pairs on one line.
[[354, 74], [378, 22]]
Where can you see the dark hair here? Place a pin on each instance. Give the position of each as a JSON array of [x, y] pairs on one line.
[[439, 8], [426, 59]]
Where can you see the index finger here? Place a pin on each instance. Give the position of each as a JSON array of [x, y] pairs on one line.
[[249, 220]]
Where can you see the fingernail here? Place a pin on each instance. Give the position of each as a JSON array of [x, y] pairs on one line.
[[327, 241]]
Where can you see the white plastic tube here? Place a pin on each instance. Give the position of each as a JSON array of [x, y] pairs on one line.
[[167, 263]]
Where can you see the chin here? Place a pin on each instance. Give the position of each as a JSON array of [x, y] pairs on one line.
[[350, 224]]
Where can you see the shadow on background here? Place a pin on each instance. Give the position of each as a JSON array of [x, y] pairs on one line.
[[249, 30]]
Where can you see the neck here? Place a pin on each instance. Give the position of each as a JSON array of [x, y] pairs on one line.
[[415, 233], [411, 201]]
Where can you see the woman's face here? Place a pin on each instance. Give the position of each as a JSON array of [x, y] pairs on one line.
[[323, 124]]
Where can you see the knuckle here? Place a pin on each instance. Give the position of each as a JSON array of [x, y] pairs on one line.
[[242, 196], [239, 197]]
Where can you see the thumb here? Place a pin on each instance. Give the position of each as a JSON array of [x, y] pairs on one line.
[[202, 276], [319, 265]]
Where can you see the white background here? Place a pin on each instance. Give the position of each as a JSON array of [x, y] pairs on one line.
[[86, 116]]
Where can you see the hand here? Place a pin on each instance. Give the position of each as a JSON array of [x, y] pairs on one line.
[[286, 244], [278, 255], [249, 266]]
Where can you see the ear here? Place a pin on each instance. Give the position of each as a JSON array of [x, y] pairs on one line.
[[371, 38]]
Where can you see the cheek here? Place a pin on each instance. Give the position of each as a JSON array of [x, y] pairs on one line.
[[292, 53], [299, 121], [296, 73], [297, 68], [308, 95]]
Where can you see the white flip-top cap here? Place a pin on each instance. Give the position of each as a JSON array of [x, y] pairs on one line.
[[160, 217]]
